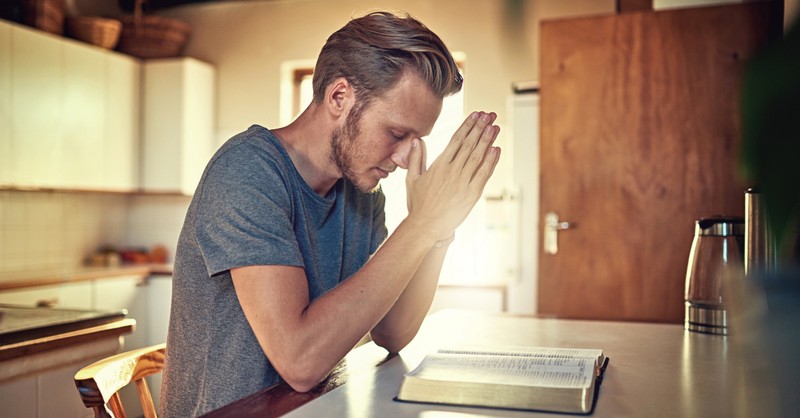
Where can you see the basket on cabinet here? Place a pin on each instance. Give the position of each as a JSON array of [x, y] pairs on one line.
[[152, 36], [47, 15], [94, 30]]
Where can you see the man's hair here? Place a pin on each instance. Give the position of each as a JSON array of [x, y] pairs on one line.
[[372, 52]]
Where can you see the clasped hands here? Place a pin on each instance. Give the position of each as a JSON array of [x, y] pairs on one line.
[[440, 197]]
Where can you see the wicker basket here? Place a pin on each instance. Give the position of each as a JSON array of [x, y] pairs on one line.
[[94, 30], [47, 15], [153, 36]]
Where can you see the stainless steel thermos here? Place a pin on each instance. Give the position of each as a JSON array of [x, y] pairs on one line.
[[759, 246]]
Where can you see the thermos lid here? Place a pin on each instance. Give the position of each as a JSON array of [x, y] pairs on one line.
[[720, 226]]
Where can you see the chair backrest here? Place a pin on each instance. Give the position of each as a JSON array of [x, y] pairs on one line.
[[98, 383]]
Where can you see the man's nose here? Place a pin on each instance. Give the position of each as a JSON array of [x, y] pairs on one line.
[[401, 153]]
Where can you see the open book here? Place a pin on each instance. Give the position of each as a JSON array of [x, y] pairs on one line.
[[529, 378]]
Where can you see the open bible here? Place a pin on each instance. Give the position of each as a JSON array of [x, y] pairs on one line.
[[529, 378]]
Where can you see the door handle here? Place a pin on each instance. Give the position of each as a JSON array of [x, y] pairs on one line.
[[551, 227]]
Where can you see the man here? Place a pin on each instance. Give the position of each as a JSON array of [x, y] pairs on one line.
[[281, 266]]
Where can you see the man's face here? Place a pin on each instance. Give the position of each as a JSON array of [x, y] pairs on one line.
[[376, 140]]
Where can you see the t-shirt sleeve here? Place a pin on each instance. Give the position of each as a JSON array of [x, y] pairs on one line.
[[244, 213]]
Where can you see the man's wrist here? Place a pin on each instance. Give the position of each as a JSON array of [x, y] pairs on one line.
[[445, 242]]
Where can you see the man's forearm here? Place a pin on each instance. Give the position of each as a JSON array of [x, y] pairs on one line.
[[305, 339], [403, 320]]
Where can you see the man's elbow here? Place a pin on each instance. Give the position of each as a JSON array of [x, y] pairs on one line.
[[391, 342], [301, 378]]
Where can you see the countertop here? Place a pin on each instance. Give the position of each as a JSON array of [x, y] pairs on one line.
[[655, 370], [24, 323], [33, 278], [34, 340]]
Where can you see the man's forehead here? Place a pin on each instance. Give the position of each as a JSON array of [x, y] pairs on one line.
[[416, 119]]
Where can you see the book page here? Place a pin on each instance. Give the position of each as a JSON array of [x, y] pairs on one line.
[[526, 351], [523, 369]]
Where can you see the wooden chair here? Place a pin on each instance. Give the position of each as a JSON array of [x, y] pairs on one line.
[[98, 383]]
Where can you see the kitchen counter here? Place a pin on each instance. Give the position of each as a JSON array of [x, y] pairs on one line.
[[23, 323], [38, 339], [35, 278]]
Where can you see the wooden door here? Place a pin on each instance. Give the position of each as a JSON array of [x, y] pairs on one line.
[[639, 138]]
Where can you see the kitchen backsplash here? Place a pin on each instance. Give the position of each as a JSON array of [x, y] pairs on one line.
[[154, 220], [53, 231]]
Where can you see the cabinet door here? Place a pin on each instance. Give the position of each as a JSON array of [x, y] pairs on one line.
[[125, 292], [69, 113], [82, 116], [36, 96], [65, 296], [6, 149], [178, 117], [57, 396], [29, 296], [162, 123], [199, 124], [19, 397], [75, 295], [159, 298], [121, 153]]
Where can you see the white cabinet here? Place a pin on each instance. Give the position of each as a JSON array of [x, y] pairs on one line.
[[65, 296], [121, 133], [178, 123], [36, 98], [69, 113], [82, 116], [125, 292], [52, 393], [6, 159], [48, 394], [159, 300]]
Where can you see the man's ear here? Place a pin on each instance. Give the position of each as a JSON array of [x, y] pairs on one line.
[[339, 96]]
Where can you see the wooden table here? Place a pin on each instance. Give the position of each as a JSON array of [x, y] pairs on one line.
[[654, 370]]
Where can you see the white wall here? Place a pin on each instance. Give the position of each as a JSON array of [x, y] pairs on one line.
[[42, 232]]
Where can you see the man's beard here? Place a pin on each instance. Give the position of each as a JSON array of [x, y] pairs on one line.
[[345, 149]]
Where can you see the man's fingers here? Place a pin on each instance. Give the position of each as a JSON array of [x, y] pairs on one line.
[[461, 133], [478, 140], [479, 153], [423, 164], [415, 160], [485, 170]]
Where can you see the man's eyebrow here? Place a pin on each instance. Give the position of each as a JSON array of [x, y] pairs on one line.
[[405, 129]]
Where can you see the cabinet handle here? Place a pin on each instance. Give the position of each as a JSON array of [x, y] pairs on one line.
[[47, 303]]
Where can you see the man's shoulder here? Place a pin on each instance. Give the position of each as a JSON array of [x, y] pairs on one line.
[[256, 145], [255, 136]]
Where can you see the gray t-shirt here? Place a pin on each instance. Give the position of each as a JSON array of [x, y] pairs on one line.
[[252, 207]]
